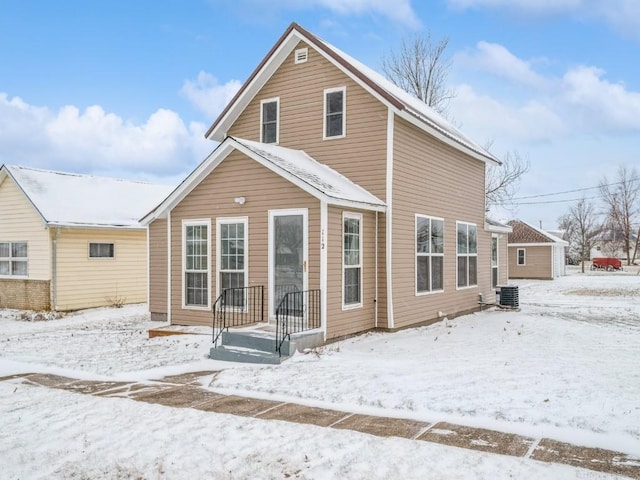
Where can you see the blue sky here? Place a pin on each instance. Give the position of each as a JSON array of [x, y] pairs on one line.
[[127, 88]]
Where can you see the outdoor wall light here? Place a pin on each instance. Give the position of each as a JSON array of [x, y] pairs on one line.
[[240, 200]]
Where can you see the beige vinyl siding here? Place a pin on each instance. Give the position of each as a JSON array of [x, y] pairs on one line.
[[360, 155], [84, 282], [433, 179], [213, 198], [158, 267], [538, 260], [353, 320], [19, 221]]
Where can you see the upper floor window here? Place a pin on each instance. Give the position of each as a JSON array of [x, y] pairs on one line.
[[352, 260], [334, 112], [429, 254], [13, 258], [102, 250], [467, 254], [269, 119]]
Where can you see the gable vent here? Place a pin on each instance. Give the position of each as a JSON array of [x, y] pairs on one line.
[[301, 55]]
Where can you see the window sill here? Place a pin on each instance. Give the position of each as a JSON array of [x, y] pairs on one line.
[[432, 292], [351, 306], [468, 287], [335, 137], [200, 308]]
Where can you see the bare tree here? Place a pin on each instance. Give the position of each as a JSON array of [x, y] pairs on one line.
[[622, 200], [502, 181], [581, 227], [421, 68]]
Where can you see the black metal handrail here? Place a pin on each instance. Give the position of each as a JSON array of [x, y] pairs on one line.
[[235, 307], [297, 312]]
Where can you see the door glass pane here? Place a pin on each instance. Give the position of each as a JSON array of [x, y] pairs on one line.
[[288, 256]]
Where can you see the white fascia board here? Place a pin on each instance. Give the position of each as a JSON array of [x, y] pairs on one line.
[[539, 244], [414, 120], [205, 168], [88, 226], [259, 80], [310, 189], [496, 229], [5, 172]]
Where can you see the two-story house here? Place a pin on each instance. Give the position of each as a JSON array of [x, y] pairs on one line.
[[328, 178]]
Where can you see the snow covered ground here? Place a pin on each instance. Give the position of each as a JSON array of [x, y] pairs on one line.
[[567, 366]]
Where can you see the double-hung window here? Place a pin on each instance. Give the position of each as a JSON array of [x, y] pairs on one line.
[[467, 254], [429, 254], [522, 256], [232, 259], [196, 240], [269, 119], [102, 250], [494, 261], [352, 260], [13, 259], [335, 112]]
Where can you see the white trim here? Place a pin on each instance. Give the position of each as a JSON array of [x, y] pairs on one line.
[[10, 259], [232, 220], [429, 255], [533, 244], [169, 267], [524, 257], [477, 256], [389, 223], [497, 237], [301, 55], [359, 217], [326, 92], [270, 100], [271, 254], [324, 245], [496, 229], [148, 273], [190, 223]]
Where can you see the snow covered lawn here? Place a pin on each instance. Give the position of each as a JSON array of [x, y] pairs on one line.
[[567, 366]]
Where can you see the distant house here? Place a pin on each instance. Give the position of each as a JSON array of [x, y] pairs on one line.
[[535, 253], [610, 243], [71, 241], [329, 179]]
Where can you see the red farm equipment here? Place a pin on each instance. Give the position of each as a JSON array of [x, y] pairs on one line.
[[606, 263]]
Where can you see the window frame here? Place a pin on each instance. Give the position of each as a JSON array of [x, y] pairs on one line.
[[325, 114], [232, 221], [429, 255], [100, 257], [466, 255], [356, 216], [495, 239], [11, 259], [264, 102], [524, 257], [193, 223]]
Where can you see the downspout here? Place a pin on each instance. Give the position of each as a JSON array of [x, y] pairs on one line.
[[375, 298], [54, 269]]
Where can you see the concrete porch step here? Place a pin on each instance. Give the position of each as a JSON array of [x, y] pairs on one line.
[[229, 353], [255, 340]]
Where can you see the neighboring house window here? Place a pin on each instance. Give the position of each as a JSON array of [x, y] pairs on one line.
[[352, 260], [13, 259], [494, 262], [196, 263], [429, 254], [269, 116], [334, 112], [102, 250], [522, 257], [467, 254], [232, 259]]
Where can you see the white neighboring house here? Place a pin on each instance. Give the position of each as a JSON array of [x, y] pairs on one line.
[[535, 253], [610, 243], [70, 241]]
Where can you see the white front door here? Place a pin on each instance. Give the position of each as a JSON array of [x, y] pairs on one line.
[[287, 254]]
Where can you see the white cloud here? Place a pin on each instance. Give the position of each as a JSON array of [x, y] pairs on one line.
[[499, 61], [399, 11], [209, 96], [94, 140], [623, 15]]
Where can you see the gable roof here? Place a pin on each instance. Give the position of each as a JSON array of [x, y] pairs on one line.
[[524, 233], [296, 166], [74, 200], [404, 104]]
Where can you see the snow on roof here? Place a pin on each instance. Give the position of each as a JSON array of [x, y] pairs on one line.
[[69, 199], [414, 105], [315, 174]]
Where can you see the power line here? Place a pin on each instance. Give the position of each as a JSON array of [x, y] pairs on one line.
[[574, 191], [556, 201]]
